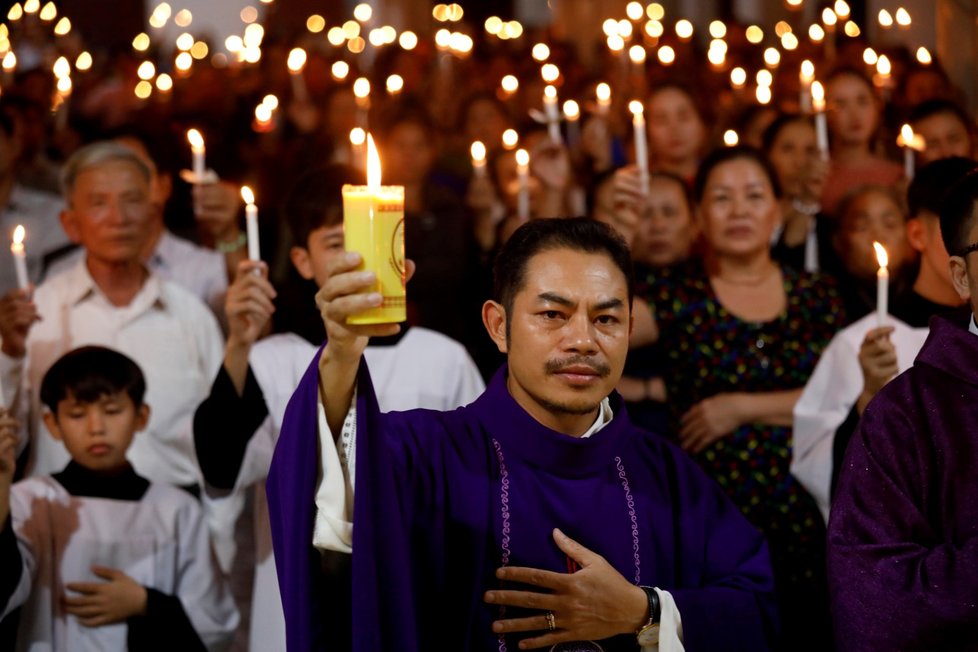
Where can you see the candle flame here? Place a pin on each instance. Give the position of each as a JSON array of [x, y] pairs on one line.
[[882, 258], [603, 92], [572, 111], [478, 152], [550, 92], [510, 138], [373, 165], [522, 158], [19, 234], [635, 107], [358, 136], [818, 96], [906, 136], [807, 70], [297, 60], [923, 56], [195, 139], [730, 138], [247, 195], [883, 66]]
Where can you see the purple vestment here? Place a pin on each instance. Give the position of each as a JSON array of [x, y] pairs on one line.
[[903, 535], [444, 498]]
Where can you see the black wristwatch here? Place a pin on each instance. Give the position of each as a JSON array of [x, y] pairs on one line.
[[648, 634]]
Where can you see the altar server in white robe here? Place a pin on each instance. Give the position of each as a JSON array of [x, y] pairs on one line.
[[98, 557]]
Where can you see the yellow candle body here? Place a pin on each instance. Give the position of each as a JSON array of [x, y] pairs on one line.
[[373, 226]]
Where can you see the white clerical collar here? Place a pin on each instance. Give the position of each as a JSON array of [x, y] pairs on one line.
[[973, 327], [605, 415]]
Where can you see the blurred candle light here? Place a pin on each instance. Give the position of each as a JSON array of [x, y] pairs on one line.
[[667, 56], [634, 10], [851, 29], [923, 56], [540, 52], [358, 141], [143, 90], [763, 94], [552, 112], [49, 12], [841, 8], [550, 73], [15, 13], [510, 139], [164, 83], [395, 84], [603, 94], [408, 40], [20, 256], [754, 34], [296, 63], [509, 84], [84, 61], [684, 29], [806, 76], [870, 57], [523, 177], [641, 141], [478, 151], [911, 143], [902, 18], [251, 225], [199, 151], [32, 6], [339, 70], [572, 113], [816, 33], [885, 19], [730, 138], [738, 77], [821, 126], [882, 283], [62, 27], [772, 57]]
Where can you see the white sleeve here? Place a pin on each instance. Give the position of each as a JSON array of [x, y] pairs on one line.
[[824, 404], [470, 385], [202, 590], [670, 626], [333, 529], [27, 528], [12, 394]]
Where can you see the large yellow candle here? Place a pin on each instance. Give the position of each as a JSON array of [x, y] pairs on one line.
[[373, 226]]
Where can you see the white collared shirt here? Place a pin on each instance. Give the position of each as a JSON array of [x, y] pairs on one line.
[[195, 268], [170, 334]]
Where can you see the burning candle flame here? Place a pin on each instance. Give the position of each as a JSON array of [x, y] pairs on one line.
[[522, 158], [195, 139], [635, 107], [603, 92], [478, 151], [373, 165], [881, 257], [297, 60], [906, 136], [818, 96], [19, 234], [807, 70], [247, 195]]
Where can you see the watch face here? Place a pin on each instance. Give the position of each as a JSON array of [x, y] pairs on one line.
[[577, 646], [649, 635]]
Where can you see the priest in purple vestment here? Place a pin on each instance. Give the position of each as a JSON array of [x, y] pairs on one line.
[[903, 534], [536, 517]]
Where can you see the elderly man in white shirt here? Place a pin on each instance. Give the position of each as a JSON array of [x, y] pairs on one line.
[[110, 298]]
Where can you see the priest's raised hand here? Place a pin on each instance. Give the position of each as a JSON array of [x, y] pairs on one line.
[[341, 296]]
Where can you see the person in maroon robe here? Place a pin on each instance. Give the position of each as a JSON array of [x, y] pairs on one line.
[[903, 535]]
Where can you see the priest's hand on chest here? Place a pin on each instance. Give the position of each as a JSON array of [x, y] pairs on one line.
[[592, 604]]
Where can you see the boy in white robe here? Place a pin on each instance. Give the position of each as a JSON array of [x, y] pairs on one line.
[[867, 354], [237, 426], [98, 557]]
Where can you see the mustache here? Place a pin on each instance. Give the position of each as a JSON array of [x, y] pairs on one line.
[[557, 366]]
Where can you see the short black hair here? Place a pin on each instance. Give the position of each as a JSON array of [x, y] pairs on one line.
[[537, 236], [930, 108], [723, 155], [931, 183], [958, 214], [89, 373], [316, 200], [773, 130]]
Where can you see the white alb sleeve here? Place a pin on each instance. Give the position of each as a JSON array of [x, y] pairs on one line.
[[333, 529], [670, 626]]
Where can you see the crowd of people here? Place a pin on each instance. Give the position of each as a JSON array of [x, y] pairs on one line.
[[748, 307]]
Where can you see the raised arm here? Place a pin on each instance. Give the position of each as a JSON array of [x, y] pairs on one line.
[[342, 296]]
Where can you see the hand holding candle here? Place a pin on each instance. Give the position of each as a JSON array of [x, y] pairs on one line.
[[251, 224], [882, 284], [373, 226], [20, 256]]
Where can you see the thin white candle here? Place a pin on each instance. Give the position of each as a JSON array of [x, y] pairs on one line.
[[821, 125], [199, 151], [806, 77], [911, 143], [572, 112], [523, 174], [20, 256], [552, 113], [882, 284], [479, 159], [251, 223], [641, 142]]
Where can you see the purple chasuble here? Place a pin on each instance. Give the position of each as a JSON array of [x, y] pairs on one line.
[[444, 498], [903, 534]]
